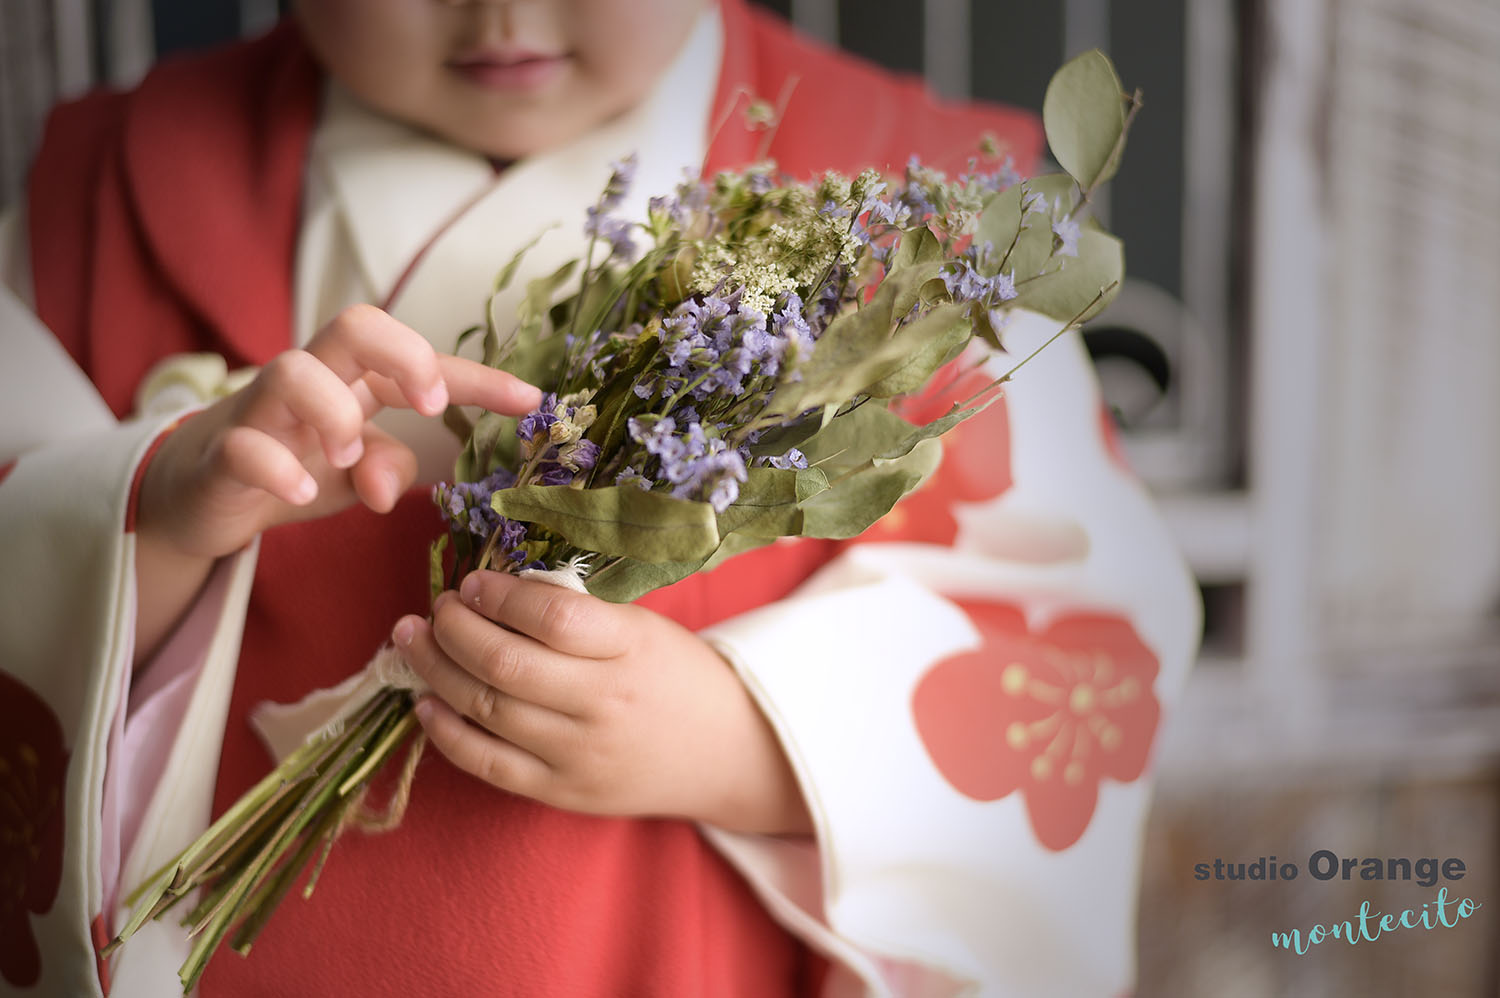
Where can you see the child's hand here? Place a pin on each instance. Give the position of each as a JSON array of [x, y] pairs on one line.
[[297, 442], [596, 707]]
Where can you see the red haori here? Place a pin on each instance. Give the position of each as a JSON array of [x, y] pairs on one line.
[[33, 777], [1049, 713]]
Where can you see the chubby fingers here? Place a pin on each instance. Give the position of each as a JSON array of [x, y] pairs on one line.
[[569, 622], [479, 753], [535, 729], [363, 340], [494, 661], [471, 383], [295, 392], [386, 471], [400, 368]]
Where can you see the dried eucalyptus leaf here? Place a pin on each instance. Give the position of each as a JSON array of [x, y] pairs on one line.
[[1084, 116], [853, 503], [950, 334], [735, 544], [629, 579], [903, 446], [858, 349], [1066, 292], [1022, 240], [916, 246], [780, 439], [855, 438], [769, 503], [616, 520]]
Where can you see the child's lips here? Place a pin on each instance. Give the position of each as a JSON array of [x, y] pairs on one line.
[[511, 71]]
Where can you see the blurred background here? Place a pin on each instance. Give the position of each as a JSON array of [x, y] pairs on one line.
[[1306, 365]]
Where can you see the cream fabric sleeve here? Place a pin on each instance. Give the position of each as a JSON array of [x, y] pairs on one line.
[[966, 840], [67, 621]]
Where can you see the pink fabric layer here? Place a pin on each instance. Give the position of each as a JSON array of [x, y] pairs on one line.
[[144, 731]]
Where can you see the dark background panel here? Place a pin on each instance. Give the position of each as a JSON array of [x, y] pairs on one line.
[[1147, 46], [1014, 50], [887, 31]]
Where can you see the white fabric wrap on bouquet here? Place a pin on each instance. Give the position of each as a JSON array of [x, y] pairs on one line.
[[322, 713]]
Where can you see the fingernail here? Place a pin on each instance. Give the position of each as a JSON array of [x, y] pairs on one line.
[[392, 485], [305, 491], [470, 589], [423, 710], [349, 453], [404, 631], [443, 597], [435, 399]]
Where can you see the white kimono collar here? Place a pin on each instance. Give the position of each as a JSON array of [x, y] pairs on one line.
[[397, 186]]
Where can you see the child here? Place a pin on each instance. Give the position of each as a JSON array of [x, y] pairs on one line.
[[748, 784]]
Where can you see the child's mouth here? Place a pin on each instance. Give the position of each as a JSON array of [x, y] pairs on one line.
[[513, 71]]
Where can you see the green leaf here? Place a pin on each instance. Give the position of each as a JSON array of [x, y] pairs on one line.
[[457, 422], [780, 439], [859, 348], [854, 502], [523, 350], [498, 343], [436, 577], [1065, 292], [594, 303], [1084, 115], [616, 400], [629, 579], [898, 449], [769, 502], [950, 335], [616, 520], [508, 272], [465, 336], [491, 442], [915, 246], [767, 508], [854, 438], [1023, 252]]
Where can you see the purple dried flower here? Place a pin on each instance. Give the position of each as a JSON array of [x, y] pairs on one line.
[[632, 477], [534, 426], [583, 455], [554, 474], [1003, 286], [613, 229], [886, 213], [1067, 231], [621, 176], [793, 458], [725, 491]]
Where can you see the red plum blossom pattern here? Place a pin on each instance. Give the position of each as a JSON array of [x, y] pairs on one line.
[[33, 771], [1048, 713]]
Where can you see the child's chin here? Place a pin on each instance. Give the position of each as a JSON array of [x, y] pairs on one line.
[[516, 135]]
